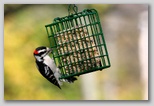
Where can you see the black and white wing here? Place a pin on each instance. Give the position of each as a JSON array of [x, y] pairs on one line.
[[47, 73]]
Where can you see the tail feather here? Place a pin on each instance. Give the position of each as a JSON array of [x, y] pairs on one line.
[[59, 86]]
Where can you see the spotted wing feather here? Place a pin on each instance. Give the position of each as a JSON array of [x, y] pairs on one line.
[[47, 73]]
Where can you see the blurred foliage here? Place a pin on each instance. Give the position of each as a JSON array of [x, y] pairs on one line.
[[24, 30]]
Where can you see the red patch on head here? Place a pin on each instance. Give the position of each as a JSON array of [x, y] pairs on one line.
[[35, 52]]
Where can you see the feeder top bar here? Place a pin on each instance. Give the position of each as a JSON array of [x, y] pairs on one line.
[[75, 15]]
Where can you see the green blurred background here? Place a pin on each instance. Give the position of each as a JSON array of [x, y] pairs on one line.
[[24, 30]]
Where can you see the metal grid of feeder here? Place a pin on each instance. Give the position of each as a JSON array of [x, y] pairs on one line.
[[78, 43]]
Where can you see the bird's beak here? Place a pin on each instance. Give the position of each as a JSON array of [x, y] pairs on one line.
[[49, 50]]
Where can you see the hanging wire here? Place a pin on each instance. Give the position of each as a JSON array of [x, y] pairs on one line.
[[74, 7]]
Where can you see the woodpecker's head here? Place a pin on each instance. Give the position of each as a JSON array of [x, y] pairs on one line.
[[41, 52]]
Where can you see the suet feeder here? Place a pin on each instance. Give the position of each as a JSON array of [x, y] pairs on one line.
[[78, 43]]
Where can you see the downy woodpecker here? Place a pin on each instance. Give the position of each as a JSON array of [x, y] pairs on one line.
[[47, 67]]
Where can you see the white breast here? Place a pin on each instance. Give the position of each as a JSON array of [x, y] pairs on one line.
[[50, 62]]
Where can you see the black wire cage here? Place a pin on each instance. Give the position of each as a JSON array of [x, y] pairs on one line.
[[78, 43]]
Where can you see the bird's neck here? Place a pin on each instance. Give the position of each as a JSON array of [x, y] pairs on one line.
[[38, 58]]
